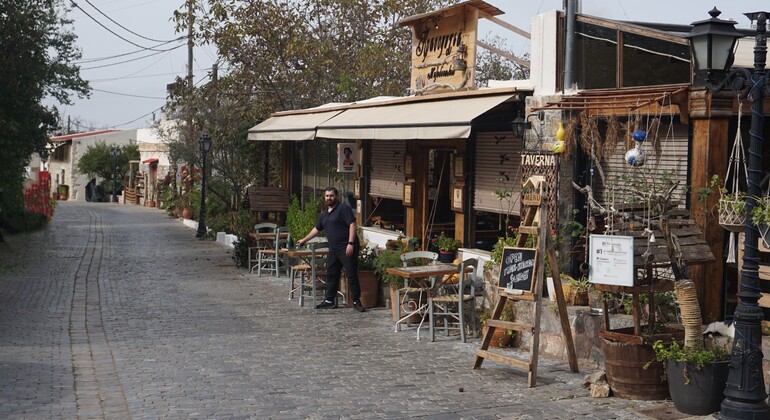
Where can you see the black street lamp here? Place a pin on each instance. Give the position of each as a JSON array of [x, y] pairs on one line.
[[712, 44], [114, 152], [204, 144]]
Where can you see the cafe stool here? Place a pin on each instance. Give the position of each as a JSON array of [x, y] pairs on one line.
[[271, 259]]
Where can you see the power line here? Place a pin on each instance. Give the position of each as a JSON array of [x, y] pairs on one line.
[[92, 60], [129, 30], [126, 94], [132, 77], [137, 119], [129, 61], [108, 29]]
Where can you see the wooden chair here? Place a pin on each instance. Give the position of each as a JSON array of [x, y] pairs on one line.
[[309, 283], [449, 305], [271, 259], [259, 228], [403, 294], [300, 267]]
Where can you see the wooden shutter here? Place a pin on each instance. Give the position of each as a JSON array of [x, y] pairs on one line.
[[497, 152], [673, 165], [387, 169]]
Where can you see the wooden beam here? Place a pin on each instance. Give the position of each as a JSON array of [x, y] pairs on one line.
[[506, 25], [517, 60]]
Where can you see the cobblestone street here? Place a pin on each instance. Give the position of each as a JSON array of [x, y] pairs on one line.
[[119, 312]]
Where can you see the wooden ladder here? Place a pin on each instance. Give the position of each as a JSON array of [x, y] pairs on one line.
[[532, 203]]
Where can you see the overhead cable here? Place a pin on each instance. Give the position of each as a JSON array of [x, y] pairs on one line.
[[129, 30], [133, 59], [127, 94], [108, 29], [92, 60]]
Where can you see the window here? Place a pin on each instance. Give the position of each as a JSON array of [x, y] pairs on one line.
[[648, 61], [596, 51]]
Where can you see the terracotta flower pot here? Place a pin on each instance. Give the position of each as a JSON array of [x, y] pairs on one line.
[[500, 338], [187, 213]]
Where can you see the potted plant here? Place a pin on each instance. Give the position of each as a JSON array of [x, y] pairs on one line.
[[731, 206], [63, 192], [367, 277], [447, 247], [760, 217], [575, 290], [501, 337], [696, 375]]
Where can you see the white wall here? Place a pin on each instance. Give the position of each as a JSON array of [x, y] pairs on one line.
[[543, 53]]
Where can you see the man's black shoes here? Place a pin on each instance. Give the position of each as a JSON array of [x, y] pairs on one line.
[[357, 306], [327, 304]]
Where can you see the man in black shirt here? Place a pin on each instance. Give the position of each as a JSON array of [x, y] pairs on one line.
[[339, 223]]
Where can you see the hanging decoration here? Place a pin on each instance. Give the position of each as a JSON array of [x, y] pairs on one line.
[[732, 201], [558, 147], [636, 156]]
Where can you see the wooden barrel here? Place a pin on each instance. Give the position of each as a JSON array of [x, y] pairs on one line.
[[624, 364]]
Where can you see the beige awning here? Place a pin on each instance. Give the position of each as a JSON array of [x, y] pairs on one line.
[[440, 119], [292, 127]]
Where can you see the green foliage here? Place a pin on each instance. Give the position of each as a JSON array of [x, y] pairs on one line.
[[300, 222], [24, 222], [573, 228], [679, 353], [497, 251], [388, 258], [97, 161], [241, 250], [446, 243], [761, 212], [579, 285], [38, 51]]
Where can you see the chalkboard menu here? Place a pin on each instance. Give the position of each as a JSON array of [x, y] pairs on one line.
[[517, 268]]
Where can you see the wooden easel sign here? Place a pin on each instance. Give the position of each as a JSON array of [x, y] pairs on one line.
[[517, 269]]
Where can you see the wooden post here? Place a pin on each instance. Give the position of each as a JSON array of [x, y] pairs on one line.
[[710, 116]]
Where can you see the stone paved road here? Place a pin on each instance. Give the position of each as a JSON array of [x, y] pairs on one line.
[[118, 312]]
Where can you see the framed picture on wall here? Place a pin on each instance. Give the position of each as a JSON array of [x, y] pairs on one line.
[[408, 166], [357, 188], [459, 169], [457, 198], [408, 195]]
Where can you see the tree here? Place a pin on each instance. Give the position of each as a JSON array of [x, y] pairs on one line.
[[38, 50], [492, 66], [97, 161], [281, 55]]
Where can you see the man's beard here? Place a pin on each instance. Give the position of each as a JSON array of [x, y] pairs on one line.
[[330, 203]]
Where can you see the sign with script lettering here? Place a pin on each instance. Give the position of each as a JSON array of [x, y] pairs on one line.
[[517, 268], [444, 50]]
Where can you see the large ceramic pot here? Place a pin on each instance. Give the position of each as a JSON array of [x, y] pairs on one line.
[[694, 390], [187, 213], [370, 287], [500, 338]]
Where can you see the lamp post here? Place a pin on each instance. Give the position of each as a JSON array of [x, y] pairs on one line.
[[712, 44], [204, 144], [114, 152]]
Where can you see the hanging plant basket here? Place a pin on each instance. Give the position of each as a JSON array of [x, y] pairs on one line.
[[732, 212], [764, 233]]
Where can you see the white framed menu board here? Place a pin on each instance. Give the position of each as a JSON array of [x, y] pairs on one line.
[[611, 260]]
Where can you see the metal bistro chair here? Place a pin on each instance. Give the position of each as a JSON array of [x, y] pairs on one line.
[[449, 305], [271, 259], [300, 267], [259, 228], [403, 294]]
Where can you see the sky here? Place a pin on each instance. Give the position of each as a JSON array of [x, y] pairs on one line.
[[126, 95]]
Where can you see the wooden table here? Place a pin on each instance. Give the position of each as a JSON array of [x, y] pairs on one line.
[[425, 276]]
